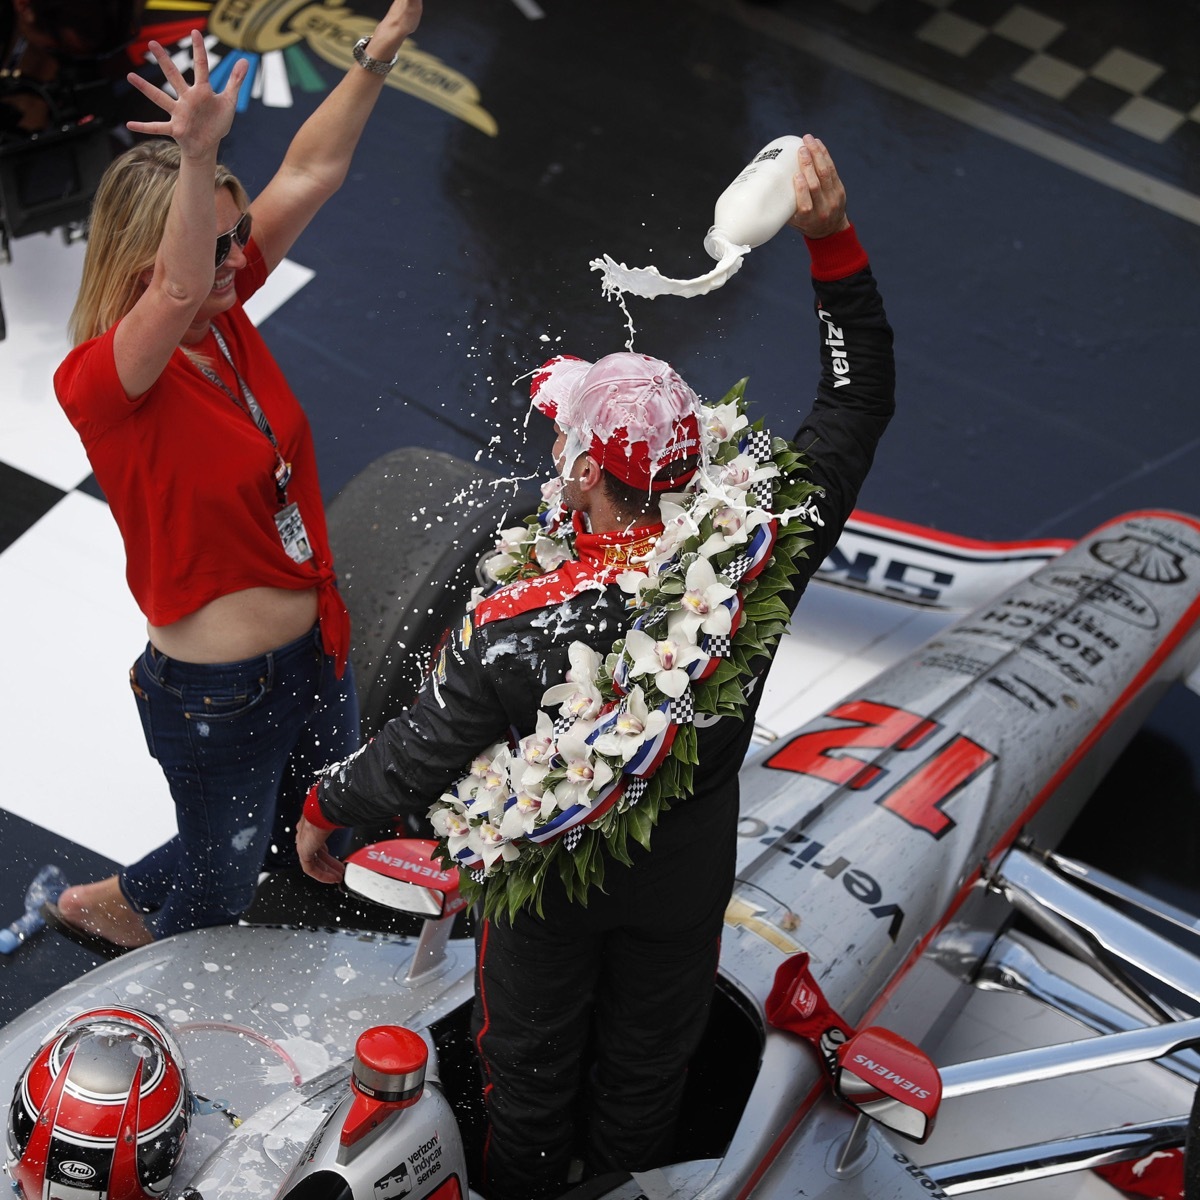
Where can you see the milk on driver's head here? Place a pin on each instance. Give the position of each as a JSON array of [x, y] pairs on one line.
[[758, 203], [750, 211]]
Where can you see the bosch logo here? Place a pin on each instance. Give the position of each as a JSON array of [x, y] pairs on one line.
[[78, 1171]]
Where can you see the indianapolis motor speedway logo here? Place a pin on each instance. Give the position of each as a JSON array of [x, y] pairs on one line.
[[279, 38]]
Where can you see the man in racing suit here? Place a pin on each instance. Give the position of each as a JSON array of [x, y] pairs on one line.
[[591, 1012]]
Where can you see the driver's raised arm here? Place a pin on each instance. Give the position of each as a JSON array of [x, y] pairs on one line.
[[856, 392]]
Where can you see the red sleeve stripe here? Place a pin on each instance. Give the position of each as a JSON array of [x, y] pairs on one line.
[[836, 256], [312, 811]]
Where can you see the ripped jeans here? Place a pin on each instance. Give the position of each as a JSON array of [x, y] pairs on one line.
[[240, 745]]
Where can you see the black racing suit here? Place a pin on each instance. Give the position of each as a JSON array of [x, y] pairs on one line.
[[625, 981]]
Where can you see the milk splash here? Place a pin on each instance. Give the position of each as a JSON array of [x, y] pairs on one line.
[[650, 282], [750, 211]]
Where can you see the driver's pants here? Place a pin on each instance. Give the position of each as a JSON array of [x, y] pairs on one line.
[[585, 1018]]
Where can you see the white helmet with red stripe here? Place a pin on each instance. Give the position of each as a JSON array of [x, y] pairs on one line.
[[101, 1111]]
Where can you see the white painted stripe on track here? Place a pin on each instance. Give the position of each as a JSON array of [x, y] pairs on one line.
[[1018, 132]]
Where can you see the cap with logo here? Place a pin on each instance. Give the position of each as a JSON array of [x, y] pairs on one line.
[[632, 413]]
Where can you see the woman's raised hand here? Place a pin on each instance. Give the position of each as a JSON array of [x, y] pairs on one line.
[[197, 117]]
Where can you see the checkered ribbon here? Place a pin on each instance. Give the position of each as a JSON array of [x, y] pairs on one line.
[[563, 725], [737, 568], [762, 493], [573, 837], [757, 444], [718, 645], [635, 789], [682, 709]]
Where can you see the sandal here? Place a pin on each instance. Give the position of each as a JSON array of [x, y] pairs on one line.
[[54, 919]]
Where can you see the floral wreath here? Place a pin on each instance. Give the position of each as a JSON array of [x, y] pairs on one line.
[[709, 599]]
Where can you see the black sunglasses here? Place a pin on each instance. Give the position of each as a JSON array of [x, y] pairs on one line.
[[241, 231]]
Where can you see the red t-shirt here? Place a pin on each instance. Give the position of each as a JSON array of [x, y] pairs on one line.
[[189, 476]]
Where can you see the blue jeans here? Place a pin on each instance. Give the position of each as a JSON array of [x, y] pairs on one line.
[[240, 745]]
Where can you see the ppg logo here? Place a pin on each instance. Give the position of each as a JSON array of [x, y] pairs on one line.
[[78, 1171]]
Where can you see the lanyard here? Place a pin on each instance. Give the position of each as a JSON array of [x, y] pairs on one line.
[[250, 405]]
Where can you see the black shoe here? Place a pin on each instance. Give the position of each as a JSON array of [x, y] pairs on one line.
[[54, 919]]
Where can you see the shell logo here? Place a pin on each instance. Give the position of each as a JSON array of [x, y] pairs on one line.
[[278, 38]]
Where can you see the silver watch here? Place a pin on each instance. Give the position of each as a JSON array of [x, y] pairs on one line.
[[375, 65]]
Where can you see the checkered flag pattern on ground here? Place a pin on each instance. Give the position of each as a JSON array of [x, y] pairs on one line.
[[682, 710]]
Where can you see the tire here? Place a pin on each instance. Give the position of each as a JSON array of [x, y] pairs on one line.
[[406, 534]]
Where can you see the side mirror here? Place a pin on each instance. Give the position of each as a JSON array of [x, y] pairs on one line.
[[401, 874], [889, 1080]]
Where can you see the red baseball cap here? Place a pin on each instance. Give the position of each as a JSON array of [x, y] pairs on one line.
[[634, 412]]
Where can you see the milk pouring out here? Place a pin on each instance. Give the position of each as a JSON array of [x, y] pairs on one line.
[[749, 212]]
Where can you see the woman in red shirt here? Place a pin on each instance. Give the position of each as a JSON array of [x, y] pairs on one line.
[[207, 462]]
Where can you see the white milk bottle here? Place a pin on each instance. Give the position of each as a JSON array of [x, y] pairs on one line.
[[750, 211], [759, 202]]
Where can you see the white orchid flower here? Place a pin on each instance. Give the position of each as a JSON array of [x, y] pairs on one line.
[[452, 824], [511, 540], [732, 526], [681, 522], [579, 697], [579, 700], [487, 784], [666, 660], [585, 663], [721, 423], [550, 552], [528, 809], [635, 725], [585, 773], [702, 605], [633, 583], [743, 471], [536, 751], [449, 821], [493, 845], [498, 564]]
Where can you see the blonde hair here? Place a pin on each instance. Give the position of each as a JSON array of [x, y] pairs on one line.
[[126, 226]]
